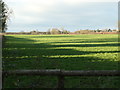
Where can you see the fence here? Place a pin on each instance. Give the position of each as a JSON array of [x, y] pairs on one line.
[[62, 73]]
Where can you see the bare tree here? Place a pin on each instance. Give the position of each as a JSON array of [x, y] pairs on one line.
[[4, 16]]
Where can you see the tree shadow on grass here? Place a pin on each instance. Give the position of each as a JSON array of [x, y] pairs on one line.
[[84, 40], [25, 54], [51, 36], [42, 52], [87, 45]]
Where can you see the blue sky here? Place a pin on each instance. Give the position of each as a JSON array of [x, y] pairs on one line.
[[68, 14]]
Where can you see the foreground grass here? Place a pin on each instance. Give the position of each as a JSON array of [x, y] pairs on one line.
[[68, 52]]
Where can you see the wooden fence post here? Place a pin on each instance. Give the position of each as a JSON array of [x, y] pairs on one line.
[[60, 81]]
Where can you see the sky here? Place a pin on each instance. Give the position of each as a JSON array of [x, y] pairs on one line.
[[71, 15]]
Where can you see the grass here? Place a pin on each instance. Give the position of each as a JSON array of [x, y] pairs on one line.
[[68, 52]]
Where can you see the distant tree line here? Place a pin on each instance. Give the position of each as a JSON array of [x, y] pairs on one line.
[[50, 31], [57, 31], [94, 31], [63, 31]]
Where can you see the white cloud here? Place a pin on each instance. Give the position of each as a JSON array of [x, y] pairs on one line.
[[49, 1], [54, 12], [29, 11]]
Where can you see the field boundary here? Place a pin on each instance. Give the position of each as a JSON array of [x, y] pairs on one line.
[[61, 73]]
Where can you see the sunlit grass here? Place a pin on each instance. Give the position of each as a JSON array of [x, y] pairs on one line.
[[68, 52], [62, 46]]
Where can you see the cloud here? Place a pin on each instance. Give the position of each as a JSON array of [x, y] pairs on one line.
[[30, 10], [67, 1], [54, 13]]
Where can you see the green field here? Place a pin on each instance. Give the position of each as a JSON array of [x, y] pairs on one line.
[[66, 52]]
